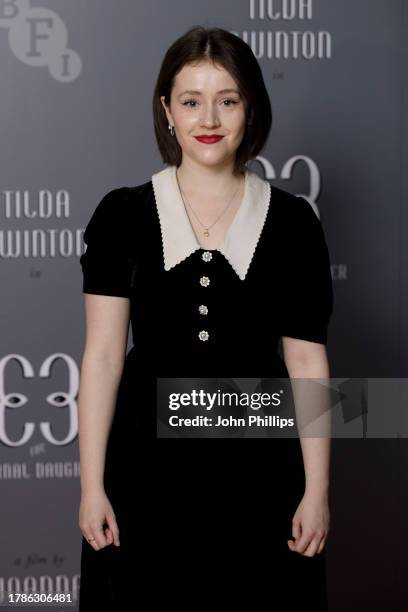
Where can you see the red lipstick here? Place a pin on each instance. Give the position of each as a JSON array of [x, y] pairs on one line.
[[208, 139]]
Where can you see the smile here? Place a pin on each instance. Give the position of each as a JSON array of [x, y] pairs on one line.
[[208, 139]]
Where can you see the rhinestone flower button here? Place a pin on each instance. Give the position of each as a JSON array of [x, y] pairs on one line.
[[203, 335], [203, 309], [204, 281], [206, 256]]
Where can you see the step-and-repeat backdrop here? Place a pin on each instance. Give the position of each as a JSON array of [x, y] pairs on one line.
[[75, 115]]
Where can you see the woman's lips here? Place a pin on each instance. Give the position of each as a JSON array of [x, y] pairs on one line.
[[208, 139]]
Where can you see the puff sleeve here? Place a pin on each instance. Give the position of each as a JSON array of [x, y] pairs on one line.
[[307, 297], [107, 263]]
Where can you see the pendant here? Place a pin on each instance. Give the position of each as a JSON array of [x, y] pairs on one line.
[[206, 233]]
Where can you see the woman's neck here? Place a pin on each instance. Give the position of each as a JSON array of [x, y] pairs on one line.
[[197, 181]]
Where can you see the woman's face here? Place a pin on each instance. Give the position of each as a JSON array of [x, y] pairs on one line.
[[199, 105]]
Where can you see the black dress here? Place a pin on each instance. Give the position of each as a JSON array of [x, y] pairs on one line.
[[204, 523]]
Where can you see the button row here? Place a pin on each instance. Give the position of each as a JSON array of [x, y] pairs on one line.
[[204, 282]]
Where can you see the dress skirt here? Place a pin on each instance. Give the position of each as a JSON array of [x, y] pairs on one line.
[[201, 522]]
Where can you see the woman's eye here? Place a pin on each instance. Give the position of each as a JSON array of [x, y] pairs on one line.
[[189, 102]]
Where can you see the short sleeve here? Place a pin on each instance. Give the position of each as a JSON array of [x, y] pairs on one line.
[[307, 296], [107, 263]]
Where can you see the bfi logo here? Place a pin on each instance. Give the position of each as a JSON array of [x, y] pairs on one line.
[[38, 37]]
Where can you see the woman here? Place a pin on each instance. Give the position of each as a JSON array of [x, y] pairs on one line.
[[203, 260]]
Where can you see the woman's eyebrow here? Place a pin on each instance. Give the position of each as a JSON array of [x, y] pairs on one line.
[[197, 93]]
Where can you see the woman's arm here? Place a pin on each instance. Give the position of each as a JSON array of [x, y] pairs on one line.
[[107, 326], [305, 360]]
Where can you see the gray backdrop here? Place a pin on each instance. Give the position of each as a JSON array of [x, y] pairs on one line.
[[77, 81]]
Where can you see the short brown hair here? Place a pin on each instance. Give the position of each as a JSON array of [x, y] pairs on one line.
[[231, 52]]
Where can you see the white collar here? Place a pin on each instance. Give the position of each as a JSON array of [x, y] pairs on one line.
[[178, 237]]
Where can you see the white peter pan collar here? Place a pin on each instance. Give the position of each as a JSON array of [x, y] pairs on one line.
[[178, 237]]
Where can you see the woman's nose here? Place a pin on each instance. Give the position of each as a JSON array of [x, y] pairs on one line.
[[209, 116]]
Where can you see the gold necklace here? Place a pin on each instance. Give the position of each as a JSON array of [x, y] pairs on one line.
[[206, 232]]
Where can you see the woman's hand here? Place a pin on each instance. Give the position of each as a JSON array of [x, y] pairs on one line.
[[310, 524], [97, 519]]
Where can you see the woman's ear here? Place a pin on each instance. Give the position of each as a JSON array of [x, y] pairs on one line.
[[168, 114]]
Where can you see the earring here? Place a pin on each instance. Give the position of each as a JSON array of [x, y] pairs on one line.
[[171, 128]]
